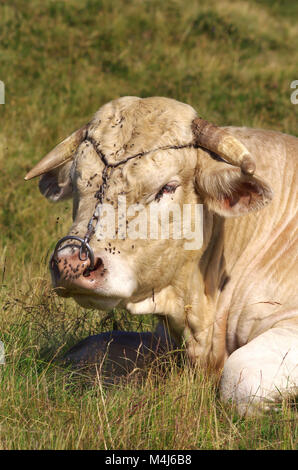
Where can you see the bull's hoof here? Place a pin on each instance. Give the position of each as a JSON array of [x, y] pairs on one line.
[[117, 354]]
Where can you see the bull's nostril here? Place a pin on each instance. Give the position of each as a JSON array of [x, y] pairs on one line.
[[98, 264]]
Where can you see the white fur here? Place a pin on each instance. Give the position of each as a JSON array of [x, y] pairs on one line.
[[234, 301]]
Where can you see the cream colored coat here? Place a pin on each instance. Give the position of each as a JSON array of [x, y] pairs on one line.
[[234, 302]]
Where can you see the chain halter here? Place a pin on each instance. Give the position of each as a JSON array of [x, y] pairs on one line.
[[85, 250]]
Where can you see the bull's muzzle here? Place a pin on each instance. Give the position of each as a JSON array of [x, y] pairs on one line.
[[75, 268], [85, 251]]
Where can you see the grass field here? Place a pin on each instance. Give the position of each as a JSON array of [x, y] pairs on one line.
[[60, 61]]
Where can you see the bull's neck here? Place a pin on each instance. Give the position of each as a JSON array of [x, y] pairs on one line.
[[189, 302], [196, 290]]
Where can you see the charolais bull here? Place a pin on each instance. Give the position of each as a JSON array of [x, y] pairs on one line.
[[195, 223]]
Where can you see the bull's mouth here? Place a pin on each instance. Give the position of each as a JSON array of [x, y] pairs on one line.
[[89, 299], [95, 301], [101, 284]]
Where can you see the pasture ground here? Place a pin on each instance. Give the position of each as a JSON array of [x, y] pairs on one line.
[[61, 60]]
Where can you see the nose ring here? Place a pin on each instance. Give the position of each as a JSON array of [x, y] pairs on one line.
[[84, 248]]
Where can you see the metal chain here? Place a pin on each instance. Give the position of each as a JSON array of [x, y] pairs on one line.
[[99, 195]]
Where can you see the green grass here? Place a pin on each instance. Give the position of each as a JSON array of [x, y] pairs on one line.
[[60, 61]]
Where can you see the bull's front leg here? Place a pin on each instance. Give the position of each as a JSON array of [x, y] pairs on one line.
[[263, 371]]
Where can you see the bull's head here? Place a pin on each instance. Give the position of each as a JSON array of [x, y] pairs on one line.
[[155, 152]]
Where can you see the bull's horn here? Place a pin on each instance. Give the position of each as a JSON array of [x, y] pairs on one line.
[[224, 144], [59, 155]]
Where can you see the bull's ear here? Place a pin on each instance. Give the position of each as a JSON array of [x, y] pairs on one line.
[[226, 190], [56, 184]]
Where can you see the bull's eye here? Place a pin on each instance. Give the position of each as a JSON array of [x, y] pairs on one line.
[[166, 189]]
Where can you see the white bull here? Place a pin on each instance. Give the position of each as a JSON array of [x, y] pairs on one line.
[[233, 302]]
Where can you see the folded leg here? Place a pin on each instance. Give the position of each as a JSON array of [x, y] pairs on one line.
[[263, 371]]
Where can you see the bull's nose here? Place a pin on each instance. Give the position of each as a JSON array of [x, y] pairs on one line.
[[68, 270]]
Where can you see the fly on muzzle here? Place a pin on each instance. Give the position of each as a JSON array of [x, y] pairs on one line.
[[85, 251]]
